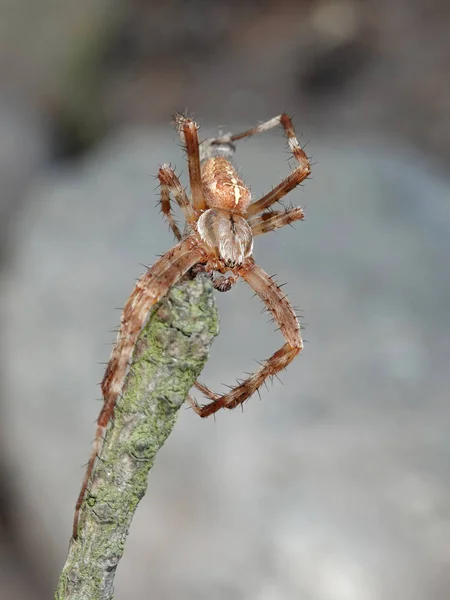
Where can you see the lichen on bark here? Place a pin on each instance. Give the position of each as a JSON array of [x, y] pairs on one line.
[[170, 354]]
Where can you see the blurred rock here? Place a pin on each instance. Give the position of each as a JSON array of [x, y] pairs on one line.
[[334, 488], [341, 65], [336, 485], [23, 153]]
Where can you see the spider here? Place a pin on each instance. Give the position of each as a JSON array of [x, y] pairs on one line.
[[221, 222]]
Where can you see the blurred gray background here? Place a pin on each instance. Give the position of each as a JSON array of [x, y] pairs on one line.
[[336, 485]]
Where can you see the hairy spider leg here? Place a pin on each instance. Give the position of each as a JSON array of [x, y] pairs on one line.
[[293, 179], [271, 220], [283, 313], [188, 131], [170, 183], [149, 290], [204, 390]]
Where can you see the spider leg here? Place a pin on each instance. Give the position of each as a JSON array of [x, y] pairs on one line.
[[279, 191], [206, 391], [170, 183], [294, 178], [149, 290], [283, 313], [285, 121], [222, 284], [188, 129], [271, 220], [270, 124]]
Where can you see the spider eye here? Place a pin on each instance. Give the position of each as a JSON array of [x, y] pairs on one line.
[[231, 263]]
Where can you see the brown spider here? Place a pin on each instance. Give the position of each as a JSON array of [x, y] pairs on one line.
[[221, 222]]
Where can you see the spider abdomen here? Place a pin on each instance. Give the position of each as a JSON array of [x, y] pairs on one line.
[[228, 235], [222, 186]]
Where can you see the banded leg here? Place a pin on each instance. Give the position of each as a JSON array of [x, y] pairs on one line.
[[188, 129], [284, 315], [294, 178], [206, 391], [170, 183], [222, 284], [270, 124], [149, 290], [271, 220]]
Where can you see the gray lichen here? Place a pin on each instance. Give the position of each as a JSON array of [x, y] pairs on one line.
[[170, 354]]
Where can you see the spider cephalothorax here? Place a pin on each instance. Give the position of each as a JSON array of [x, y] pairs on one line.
[[221, 222]]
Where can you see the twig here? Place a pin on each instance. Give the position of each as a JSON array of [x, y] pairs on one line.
[[169, 356]]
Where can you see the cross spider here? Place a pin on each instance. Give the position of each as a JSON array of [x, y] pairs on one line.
[[221, 222]]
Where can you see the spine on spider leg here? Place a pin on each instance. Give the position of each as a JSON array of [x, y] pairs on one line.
[[149, 290]]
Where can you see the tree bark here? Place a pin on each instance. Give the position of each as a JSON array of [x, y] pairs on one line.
[[170, 354]]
